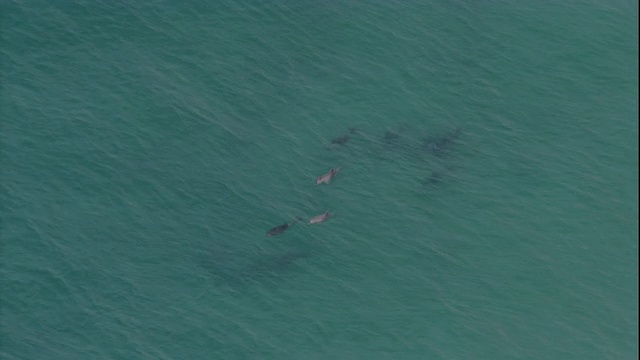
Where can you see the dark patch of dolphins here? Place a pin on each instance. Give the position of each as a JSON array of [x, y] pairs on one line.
[[434, 145]]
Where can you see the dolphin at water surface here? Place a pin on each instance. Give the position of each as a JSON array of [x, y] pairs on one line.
[[320, 218], [326, 178]]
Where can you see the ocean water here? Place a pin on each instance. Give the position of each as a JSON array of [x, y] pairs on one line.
[[486, 208]]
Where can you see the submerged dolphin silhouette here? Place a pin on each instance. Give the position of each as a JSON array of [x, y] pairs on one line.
[[435, 178], [283, 260], [439, 144], [282, 228], [267, 267], [277, 262], [341, 140]]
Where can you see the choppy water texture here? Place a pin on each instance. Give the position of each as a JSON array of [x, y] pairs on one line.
[[486, 208]]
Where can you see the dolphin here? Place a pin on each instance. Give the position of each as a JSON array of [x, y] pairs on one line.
[[341, 140], [390, 137], [282, 228], [283, 260], [326, 178], [320, 218], [267, 268], [277, 262], [440, 144], [435, 178]]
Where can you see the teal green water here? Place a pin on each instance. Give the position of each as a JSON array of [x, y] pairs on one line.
[[147, 149]]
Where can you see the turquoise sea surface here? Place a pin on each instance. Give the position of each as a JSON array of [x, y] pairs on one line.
[[486, 205]]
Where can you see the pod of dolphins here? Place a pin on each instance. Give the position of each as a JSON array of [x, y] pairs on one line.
[[434, 146], [322, 179]]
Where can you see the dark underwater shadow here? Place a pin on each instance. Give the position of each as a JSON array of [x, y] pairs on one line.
[[342, 140], [394, 141], [441, 144], [271, 267], [226, 268]]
